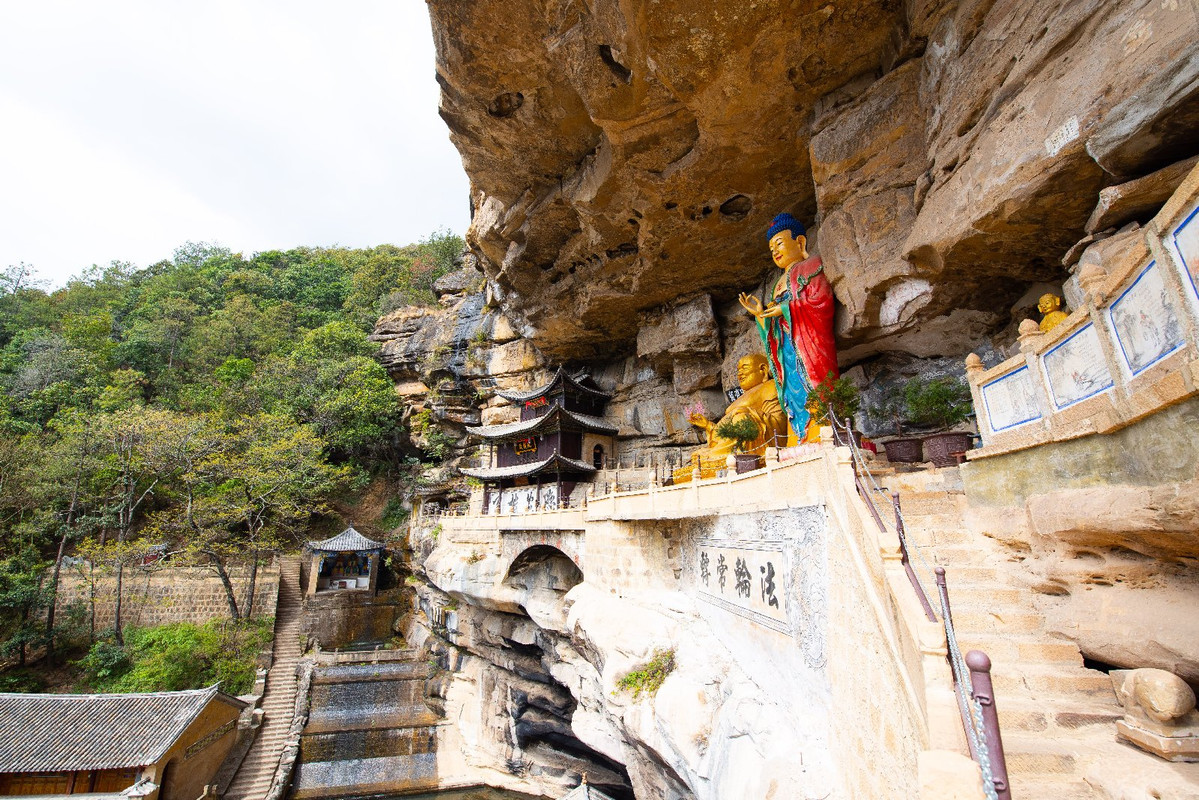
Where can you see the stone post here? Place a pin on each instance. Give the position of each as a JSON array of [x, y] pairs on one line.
[[974, 371]]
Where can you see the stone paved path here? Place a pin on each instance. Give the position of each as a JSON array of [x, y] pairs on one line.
[[253, 779]]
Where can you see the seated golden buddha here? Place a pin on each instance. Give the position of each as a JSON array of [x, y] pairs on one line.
[[759, 403], [1052, 315]]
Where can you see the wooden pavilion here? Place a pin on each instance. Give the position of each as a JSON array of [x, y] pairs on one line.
[[348, 560], [560, 441]]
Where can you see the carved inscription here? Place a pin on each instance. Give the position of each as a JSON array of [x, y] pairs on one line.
[[745, 578]]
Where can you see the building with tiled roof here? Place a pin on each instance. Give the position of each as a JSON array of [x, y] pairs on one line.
[[560, 440], [585, 792], [561, 384], [167, 744], [346, 561]]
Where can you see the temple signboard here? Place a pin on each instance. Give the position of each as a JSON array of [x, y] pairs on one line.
[[745, 578]]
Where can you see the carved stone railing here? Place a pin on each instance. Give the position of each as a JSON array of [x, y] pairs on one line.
[[1129, 349]]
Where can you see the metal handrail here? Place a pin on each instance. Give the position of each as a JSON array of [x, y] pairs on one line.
[[971, 674]]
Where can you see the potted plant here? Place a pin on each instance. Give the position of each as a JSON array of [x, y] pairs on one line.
[[893, 410], [742, 431], [840, 397], [940, 404]]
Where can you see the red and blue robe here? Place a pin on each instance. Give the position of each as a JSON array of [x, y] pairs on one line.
[[799, 344]]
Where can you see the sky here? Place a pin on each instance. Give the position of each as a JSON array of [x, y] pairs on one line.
[[128, 127]]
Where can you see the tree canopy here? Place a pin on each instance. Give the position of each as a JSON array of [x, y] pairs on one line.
[[213, 401]]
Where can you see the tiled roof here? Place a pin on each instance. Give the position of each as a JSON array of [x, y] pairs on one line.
[[348, 541], [585, 792], [586, 421], [523, 470], [60, 732], [560, 375]]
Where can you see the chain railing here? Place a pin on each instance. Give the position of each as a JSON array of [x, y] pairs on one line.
[[971, 673]]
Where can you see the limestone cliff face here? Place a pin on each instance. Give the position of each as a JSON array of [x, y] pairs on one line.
[[624, 155]]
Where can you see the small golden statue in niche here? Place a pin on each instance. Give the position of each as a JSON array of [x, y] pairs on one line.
[[759, 402], [1052, 313]]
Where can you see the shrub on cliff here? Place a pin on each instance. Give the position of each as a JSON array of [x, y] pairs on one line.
[[649, 679]]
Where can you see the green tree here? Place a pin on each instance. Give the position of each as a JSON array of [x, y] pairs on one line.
[[139, 450], [21, 598], [248, 484]]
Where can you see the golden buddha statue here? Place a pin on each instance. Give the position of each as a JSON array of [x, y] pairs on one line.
[[1050, 306], [759, 402]]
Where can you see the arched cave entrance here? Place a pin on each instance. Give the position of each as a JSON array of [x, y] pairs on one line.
[[539, 707], [597, 457], [544, 567]]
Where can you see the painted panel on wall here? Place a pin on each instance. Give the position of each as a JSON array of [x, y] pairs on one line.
[[1075, 368], [1011, 400], [1145, 322]]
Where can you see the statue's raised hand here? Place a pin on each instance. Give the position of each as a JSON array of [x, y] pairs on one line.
[[754, 306], [751, 304]]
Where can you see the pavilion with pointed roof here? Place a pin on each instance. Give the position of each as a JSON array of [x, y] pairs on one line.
[[346, 561], [561, 440], [585, 791]]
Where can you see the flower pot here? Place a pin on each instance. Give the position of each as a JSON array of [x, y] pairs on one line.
[[842, 440], [940, 448], [904, 451], [747, 462]]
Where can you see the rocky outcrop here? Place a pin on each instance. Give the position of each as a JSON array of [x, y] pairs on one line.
[[550, 706], [624, 155]]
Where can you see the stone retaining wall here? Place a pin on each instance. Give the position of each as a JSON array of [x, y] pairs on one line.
[[168, 594]]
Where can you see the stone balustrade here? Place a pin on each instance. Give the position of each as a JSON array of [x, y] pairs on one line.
[[1130, 347]]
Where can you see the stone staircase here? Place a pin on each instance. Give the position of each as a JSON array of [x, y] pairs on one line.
[[1056, 716], [253, 779]]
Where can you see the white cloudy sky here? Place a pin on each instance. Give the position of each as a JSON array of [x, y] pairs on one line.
[[128, 127]]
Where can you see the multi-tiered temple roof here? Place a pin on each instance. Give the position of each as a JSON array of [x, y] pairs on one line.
[[548, 440], [557, 417], [562, 383]]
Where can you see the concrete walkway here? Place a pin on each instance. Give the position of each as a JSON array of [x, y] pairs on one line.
[[253, 779]]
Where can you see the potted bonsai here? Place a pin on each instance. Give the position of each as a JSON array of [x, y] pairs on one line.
[[742, 431], [840, 397], [940, 404], [893, 410]]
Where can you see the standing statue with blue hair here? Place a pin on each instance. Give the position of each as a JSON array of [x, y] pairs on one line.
[[796, 325]]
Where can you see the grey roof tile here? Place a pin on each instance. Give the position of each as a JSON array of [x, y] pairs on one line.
[[59, 732], [348, 541]]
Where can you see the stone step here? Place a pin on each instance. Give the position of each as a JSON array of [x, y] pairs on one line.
[[1058, 789], [1031, 649], [1040, 680], [969, 622], [919, 504], [1020, 713], [972, 575], [1029, 757], [931, 523], [975, 597]]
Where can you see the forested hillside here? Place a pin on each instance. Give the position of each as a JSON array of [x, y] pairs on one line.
[[213, 402]]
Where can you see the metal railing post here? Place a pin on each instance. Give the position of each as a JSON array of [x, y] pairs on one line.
[[980, 681], [944, 592]]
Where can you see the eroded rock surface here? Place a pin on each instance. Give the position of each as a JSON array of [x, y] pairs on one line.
[[624, 155]]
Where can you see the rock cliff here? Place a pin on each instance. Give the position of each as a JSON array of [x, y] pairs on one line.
[[954, 161], [625, 154]]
